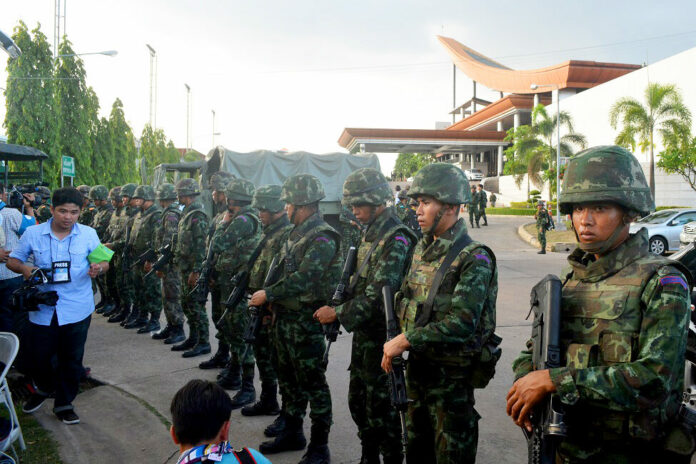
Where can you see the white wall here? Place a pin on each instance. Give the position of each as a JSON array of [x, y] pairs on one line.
[[590, 113], [510, 192]]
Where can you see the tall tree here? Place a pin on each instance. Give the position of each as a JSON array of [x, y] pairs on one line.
[[75, 113], [124, 151], [30, 118], [664, 112], [407, 164]]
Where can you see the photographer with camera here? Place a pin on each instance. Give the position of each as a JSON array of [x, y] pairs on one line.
[[14, 223], [68, 255]]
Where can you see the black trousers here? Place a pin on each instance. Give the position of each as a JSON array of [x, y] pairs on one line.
[[67, 344]]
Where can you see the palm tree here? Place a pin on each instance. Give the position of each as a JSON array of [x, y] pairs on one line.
[[664, 111]]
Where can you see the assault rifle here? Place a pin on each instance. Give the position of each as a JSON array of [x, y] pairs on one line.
[[397, 378], [165, 255], [149, 255], [548, 422], [125, 256], [253, 327], [202, 287], [332, 330]]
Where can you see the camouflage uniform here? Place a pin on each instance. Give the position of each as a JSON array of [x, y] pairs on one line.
[[407, 215], [274, 235], [624, 327], [543, 221], [145, 225], [442, 421], [350, 231], [363, 315], [123, 246], [189, 256], [482, 203], [88, 212], [473, 208], [233, 243], [100, 224], [171, 282], [112, 231], [310, 270], [43, 212]]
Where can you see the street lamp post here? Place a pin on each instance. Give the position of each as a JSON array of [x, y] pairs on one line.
[[559, 226], [153, 86], [188, 118], [105, 53]]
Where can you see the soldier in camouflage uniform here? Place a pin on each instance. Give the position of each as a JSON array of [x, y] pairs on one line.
[[445, 339], [43, 212], [148, 289], [406, 214], [383, 256], [217, 184], [170, 279], [233, 244], [543, 223], [99, 196], [111, 230], [119, 244], [473, 207], [88, 208], [624, 326], [189, 256], [310, 268], [276, 228], [350, 231], [482, 204]]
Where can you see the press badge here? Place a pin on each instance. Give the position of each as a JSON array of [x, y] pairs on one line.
[[60, 272]]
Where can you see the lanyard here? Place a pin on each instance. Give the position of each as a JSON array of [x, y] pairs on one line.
[[50, 244]]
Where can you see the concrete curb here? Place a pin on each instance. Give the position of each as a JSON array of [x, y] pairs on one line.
[[557, 247]]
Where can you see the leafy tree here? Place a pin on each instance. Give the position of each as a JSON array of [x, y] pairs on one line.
[[155, 149], [534, 151], [664, 112], [679, 155], [407, 164], [30, 119], [124, 151]]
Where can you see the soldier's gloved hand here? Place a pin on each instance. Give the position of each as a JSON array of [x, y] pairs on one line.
[[193, 278], [325, 315], [526, 393], [258, 298]]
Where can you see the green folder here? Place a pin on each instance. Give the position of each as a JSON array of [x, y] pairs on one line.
[[100, 254]]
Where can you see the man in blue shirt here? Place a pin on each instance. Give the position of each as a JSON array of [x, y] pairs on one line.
[[201, 413], [62, 246]]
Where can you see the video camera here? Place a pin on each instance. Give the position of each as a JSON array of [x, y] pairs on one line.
[[28, 297], [15, 195]]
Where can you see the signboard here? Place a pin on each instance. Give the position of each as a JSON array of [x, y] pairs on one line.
[[68, 166]]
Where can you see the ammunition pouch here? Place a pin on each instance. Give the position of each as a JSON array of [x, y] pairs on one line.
[[483, 365]]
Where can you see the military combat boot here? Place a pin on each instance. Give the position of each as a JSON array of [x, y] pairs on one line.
[[219, 359], [542, 252], [276, 426], [197, 350], [290, 439], [189, 343], [231, 377], [246, 394], [267, 405], [131, 316], [176, 335], [162, 334], [151, 326], [136, 323], [318, 449], [110, 309], [121, 314]]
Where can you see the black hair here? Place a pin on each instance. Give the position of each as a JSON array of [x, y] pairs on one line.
[[66, 195], [198, 411], [398, 188]]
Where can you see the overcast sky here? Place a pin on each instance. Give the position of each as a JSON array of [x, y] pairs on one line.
[[293, 74]]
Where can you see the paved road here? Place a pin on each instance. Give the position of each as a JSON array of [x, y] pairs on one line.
[[150, 372]]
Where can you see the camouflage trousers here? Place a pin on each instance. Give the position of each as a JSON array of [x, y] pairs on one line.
[[369, 401], [195, 313], [541, 237], [481, 213], [216, 308], [473, 215], [301, 372], [148, 294], [170, 286], [616, 452], [112, 281], [264, 352], [124, 280], [232, 329], [442, 421]]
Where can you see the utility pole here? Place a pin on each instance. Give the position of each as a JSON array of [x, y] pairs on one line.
[[188, 118], [153, 87], [213, 111], [58, 16]]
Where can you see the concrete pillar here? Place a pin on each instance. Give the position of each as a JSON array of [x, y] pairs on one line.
[[536, 100], [500, 150], [471, 156], [516, 120]]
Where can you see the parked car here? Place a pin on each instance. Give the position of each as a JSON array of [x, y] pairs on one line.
[[664, 228], [688, 235], [473, 174]]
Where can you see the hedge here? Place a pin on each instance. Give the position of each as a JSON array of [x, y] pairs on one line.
[[660, 208], [514, 211]]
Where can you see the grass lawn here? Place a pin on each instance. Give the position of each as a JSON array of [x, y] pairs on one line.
[[41, 447], [552, 236]]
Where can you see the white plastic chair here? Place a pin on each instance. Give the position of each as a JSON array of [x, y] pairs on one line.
[[9, 346]]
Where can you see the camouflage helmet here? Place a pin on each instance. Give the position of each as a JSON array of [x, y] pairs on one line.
[[606, 173], [98, 192], [115, 194], [239, 189], [403, 194], [166, 191], [267, 198], [128, 190], [44, 191], [443, 181], [219, 180], [188, 186], [146, 192], [366, 186], [301, 190], [84, 190]]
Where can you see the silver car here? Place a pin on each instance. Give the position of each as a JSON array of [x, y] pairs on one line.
[[473, 174], [664, 228], [688, 235]]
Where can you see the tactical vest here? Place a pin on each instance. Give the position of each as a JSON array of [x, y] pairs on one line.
[[240, 256], [278, 236], [185, 237], [142, 242], [601, 327], [169, 211], [415, 292], [293, 253]]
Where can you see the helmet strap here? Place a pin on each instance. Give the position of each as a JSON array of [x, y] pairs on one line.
[[436, 222]]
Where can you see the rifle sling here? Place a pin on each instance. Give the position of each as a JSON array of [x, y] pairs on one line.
[[457, 246], [386, 227]]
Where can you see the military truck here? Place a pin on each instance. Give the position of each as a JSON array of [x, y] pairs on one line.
[[265, 167]]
